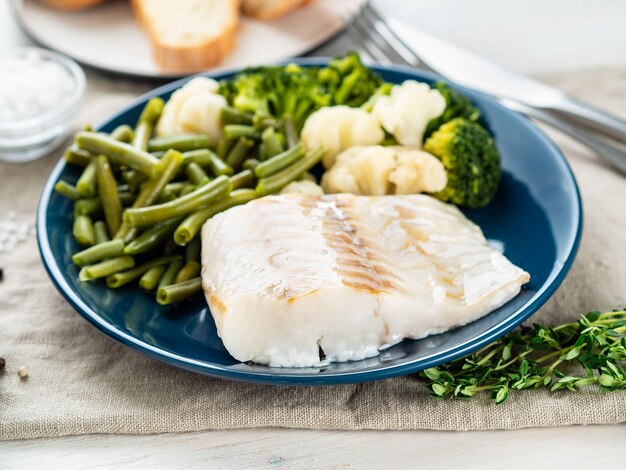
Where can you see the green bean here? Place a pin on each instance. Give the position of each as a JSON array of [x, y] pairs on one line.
[[99, 252], [218, 167], [175, 188], [188, 189], [280, 161], [291, 133], [262, 152], [177, 292], [68, 190], [151, 278], [190, 270], [232, 115], [308, 177], [250, 164], [277, 181], [236, 131], [134, 179], [123, 188], [243, 179], [121, 278], [79, 157], [193, 249], [126, 198], [196, 174], [88, 127], [83, 230], [119, 152], [182, 143], [107, 187], [260, 121], [106, 268], [86, 184], [151, 190], [172, 161], [159, 154], [146, 123], [271, 143], [123, 133], [223, 147], [201, 156], [170, 273], [100, 232], [183, 205], [90, 206], [166, 196], [152, 238], [192, 224], [238, 153]]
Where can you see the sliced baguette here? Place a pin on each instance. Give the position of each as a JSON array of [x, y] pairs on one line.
[[189, 35], [269, 9], [72, 4]]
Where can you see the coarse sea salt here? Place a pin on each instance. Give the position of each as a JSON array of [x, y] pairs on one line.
[[13, 232], [32, 85]]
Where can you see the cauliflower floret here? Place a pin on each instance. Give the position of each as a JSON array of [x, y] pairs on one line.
[[361, 170], [303, 187], [417, 171], [337, 128], [196, 108], [376, 171], [406, 112]]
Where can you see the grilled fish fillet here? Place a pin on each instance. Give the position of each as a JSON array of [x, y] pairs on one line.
[[287, 275]]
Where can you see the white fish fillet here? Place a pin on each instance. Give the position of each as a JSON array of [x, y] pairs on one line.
[[286, 275]]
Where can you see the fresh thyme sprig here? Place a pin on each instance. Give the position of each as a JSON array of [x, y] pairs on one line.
[[591, 351]]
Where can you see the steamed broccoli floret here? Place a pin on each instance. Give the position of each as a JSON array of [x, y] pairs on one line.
[[288, 91], [348, 81], [457, 105], [294, 92], [471, 160]]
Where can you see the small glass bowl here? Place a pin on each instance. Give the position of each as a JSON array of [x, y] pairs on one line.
[[27, 139]]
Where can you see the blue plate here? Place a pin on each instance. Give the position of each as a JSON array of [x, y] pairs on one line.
[[536, 217]]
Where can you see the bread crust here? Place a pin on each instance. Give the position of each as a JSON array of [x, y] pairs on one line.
[[268, 14], [191, 57], [70, 5]]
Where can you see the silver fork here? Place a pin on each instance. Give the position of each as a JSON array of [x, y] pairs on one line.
[[379, 43]]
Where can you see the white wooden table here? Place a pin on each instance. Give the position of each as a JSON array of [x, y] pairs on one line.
[[546, 35]]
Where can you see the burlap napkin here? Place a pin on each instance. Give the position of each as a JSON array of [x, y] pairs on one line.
[[83, 382]]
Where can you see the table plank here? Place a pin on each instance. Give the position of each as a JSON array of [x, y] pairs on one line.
[[575, 446]]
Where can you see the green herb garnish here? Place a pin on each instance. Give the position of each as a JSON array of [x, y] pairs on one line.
[[591, 351]]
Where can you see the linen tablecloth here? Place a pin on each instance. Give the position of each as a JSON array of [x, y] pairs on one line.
[[83, 382]]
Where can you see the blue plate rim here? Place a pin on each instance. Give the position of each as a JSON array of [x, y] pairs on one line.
[[271, 378]]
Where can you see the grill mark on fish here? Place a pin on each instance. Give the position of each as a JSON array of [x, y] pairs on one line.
[[357, 266]]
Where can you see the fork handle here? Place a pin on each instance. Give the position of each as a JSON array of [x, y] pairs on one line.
[[609, 152], [592, 118]]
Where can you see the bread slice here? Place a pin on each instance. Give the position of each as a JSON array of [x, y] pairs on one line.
[[189, 35], [72, 4], [268, 9]]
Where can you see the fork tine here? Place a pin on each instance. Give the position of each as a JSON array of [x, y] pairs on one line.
[[365, 39], [389, 35], [377, 36], [355, 34]]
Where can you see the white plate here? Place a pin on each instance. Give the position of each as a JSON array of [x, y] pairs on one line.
[[107, 37]]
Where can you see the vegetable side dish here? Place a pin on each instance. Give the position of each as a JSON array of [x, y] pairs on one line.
[[146, 192]]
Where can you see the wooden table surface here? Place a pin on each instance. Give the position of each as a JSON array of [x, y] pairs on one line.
[[572, 447], [568, 447]]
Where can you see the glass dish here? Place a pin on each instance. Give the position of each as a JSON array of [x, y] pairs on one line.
[[30, 138]]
